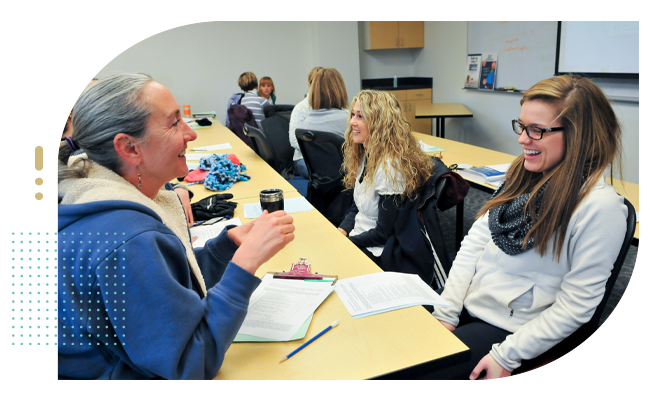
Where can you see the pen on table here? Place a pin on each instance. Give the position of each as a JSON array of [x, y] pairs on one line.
[[311, 340], [197, 224]]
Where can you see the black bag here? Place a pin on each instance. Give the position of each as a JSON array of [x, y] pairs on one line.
[[214, 206]]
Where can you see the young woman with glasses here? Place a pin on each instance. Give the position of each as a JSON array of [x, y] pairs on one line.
[[534, 265]]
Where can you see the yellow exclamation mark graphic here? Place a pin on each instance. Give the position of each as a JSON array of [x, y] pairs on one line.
[[38, 164]]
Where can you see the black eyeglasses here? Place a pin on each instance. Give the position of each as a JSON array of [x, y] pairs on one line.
[[533, 132]]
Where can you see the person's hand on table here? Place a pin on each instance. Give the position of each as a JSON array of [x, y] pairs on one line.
[[343, 231], [184, 195], [265, 238], [492, 369]]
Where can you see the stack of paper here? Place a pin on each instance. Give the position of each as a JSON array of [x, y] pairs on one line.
[[213, 147], [206, 233], [429, 149], [279, 308], [380, 292]]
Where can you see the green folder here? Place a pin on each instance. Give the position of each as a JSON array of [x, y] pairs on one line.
[[299, 335]]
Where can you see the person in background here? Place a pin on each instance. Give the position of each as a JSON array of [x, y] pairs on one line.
[[67, 83], [328, 111], [90, 82], [179, 308], [255, 103], [298, 114], [384, 164], [63, 117], [534, 265], [267, 89]]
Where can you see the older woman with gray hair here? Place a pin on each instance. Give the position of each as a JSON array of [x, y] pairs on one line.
[[136, 301]]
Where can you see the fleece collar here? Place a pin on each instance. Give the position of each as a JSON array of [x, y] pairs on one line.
[[102, 184]]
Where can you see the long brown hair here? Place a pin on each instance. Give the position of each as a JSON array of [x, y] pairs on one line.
[[592, 138], [328, 90], [389, 141]]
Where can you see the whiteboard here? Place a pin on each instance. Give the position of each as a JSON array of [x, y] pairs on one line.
[[526, 50]]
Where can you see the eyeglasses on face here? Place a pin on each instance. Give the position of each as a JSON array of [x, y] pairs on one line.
[[533, 132]]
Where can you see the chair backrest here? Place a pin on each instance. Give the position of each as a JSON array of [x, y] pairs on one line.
[[276, 130], [261, 145], [322, 152], [587, 334]]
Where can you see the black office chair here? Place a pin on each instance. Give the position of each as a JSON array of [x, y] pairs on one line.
[[271, 110], [586, 330], [262, 146], [323, 158], [587, 334], [276, 130]]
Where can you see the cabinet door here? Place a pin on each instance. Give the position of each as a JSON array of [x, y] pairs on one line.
[[411, 34], [384, 34], [421, 125]]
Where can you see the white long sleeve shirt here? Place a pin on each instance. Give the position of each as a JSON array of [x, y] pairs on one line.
[[541, 300]]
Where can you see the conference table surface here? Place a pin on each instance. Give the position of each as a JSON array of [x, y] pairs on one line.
[[440, 111], [358, 348], [463, 153]]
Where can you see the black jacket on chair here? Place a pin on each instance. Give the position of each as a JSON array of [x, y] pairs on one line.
[[239, 115], [417, 245]]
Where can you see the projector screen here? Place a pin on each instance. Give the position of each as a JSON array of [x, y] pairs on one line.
[[601, 49]]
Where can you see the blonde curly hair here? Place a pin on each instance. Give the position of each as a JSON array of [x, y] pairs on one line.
[[389, 143]]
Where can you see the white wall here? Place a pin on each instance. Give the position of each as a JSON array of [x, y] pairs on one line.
[[200, 63], [444, 59]]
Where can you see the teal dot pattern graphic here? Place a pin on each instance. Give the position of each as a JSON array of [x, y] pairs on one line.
[[92, 291], [34, 288]]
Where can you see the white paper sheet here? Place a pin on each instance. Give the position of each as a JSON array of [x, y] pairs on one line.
[[380, 292], [213, 147], [206, 233], [293, 205], [279, 307], [427, 148]]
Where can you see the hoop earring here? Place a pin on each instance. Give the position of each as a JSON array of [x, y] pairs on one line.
[[139, 177]]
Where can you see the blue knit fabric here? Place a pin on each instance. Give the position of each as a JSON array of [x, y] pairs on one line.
[[223, 172]]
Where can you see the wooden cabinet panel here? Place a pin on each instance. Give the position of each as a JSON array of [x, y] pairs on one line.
[[384, 34], [411, 34], [400, 94], [421, 125], [418, 94]]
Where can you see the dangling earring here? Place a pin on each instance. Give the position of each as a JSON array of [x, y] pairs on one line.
[[139, 177]]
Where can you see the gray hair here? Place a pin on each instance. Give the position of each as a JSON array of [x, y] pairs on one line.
[[107, 107]]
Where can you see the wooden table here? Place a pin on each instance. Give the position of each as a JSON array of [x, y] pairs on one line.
[[440, 111], [389, 345], [457, 153]]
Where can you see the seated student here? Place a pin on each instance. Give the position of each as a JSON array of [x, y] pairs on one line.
[[67, 84], [63, 117], [534, 265], [298, 114], [180, 308], [255, 103], [267, 89], [328, 103], [384, 164]]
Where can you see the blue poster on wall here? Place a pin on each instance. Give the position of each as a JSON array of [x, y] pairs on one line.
[[488, 78]]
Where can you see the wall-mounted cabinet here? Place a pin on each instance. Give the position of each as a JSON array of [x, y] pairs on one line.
[[392, 34]]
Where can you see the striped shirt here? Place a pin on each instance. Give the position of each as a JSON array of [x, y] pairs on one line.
[[254, 103]]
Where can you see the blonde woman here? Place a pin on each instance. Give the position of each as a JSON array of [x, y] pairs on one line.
[[267, 89], [384, 164], [534, 265]]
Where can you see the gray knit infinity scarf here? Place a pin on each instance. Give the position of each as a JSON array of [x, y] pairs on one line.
[[510, 222]]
